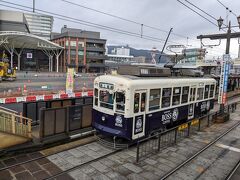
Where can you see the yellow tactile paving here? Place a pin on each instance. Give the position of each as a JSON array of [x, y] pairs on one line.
[[66, 146]]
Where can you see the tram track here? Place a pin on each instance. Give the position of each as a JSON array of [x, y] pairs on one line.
[[80, 165], [198, 153], [233, 171]]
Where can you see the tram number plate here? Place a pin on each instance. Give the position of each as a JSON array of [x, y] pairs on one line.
[[183, 126], [194, 122]]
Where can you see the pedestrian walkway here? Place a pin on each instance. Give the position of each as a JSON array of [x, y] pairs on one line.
[[8, 140]]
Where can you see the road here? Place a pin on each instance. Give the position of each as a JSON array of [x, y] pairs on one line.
[[51, 82]]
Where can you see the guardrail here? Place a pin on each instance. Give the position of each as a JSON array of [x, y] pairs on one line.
[[15, 124], [162, 140]]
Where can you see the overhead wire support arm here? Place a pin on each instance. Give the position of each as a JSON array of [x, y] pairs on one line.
[[159, 59]]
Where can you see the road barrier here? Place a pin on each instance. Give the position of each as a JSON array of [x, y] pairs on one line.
[[162, 140]]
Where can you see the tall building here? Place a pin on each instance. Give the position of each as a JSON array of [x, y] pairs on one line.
[[13, 21], [83, 50], [40, 25]]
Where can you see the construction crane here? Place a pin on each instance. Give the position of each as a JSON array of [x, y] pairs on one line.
[[6, 72]]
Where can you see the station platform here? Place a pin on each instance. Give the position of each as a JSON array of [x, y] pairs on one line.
[[9, 140]]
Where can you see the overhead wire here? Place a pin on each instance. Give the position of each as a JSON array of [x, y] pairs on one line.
[[74, 20], [122, 18], [227, 8], [67, 18]]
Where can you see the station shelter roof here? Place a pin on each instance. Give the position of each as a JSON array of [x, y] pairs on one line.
[[25, 40]]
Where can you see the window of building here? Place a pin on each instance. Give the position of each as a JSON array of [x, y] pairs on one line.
[[211, 91], [120, 101], [166, 97], [176, 96], [96, 96], [67, 42], [80, 53], [206, 92], [200, 93], [154, 99], [73, 43], [136, 103], [73, 52], [106, 99], [185, 92], [80, 44]]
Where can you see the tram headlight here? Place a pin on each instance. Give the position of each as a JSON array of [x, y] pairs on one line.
[[103, 118]]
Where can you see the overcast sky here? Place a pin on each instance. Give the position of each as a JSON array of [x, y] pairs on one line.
[[162, 14]]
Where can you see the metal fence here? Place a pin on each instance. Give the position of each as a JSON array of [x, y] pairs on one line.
[[13, 123], [162, 140]]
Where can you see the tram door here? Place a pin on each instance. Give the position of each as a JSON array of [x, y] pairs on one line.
[[139, 109], [192, 105]]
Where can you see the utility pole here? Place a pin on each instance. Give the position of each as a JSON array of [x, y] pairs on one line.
[[225, 65], [33, 5]]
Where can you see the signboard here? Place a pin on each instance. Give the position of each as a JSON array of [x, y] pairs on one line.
[[29, 55], [225, 68], [69, 80]]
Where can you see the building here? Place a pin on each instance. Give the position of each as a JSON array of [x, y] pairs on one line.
[[26, 48], [236, 66], [193, 55], [40, 25], [13, 21], [83, 50]]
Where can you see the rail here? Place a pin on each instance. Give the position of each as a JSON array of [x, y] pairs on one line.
[[162, 140], [15, 124]]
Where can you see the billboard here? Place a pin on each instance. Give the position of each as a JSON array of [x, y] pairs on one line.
[[70, 80], [225, 68]]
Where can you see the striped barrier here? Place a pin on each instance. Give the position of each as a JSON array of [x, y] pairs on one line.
[[47, 97]]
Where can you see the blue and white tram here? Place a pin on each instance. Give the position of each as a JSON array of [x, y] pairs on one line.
[[133, 107]]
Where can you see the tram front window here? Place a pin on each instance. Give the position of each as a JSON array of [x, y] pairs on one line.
[[106, 99], [120, 101]]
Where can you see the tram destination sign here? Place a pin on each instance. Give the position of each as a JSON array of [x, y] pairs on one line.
[[106, 85], [225, 68]]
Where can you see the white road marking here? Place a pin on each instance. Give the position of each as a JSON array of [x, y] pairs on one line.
[[228, 147]]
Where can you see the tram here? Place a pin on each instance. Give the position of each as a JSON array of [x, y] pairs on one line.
[[133, 107]]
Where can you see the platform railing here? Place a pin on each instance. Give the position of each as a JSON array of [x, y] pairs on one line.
[[159, 141], [15, 124]]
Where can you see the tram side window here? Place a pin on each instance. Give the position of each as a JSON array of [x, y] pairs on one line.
[[200, 93], [120, 101], [206, 92], [166, 97], [211, 91], [192, 94], [106, 99], [185, 93], [96, 96], [143, 102], [154, 99], [136, 103], [176, 96]]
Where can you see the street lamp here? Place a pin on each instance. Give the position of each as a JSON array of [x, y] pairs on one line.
[[220, 22], [238, 19]]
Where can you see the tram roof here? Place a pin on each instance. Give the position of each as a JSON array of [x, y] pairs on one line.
[[25, 40], [128, 79]]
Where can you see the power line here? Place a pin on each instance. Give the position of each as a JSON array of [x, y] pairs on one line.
[[124, 19], [197, 13], [227, 8], [201, 10], [66, 18]]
